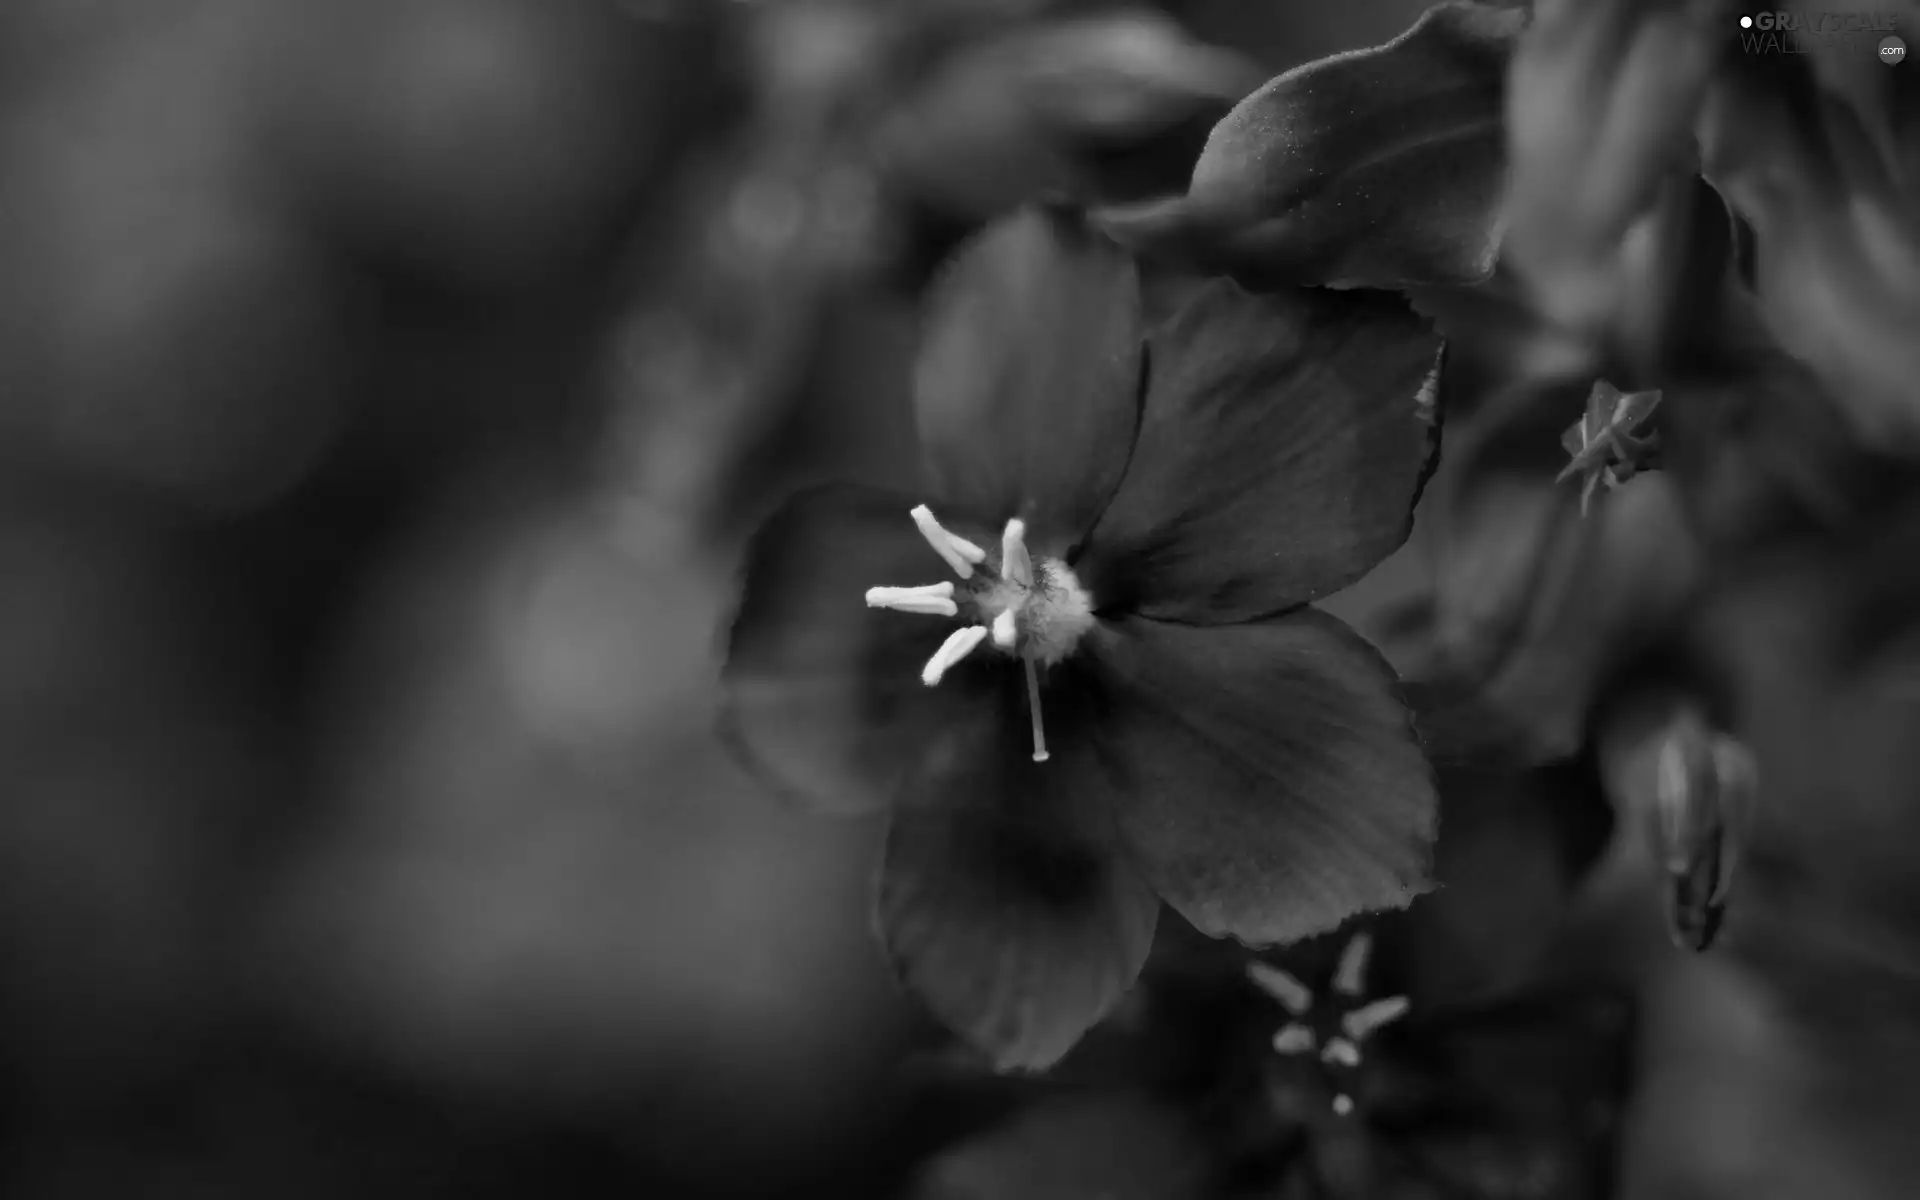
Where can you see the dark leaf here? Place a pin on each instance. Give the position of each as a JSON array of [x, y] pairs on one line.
[[1374, 168], [1269, 783], [1004, 901], [822, 694], [1027, 384], [1282, 447]]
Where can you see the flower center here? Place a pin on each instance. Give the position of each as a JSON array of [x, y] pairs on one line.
[[1033, 610], [1355, 1021]]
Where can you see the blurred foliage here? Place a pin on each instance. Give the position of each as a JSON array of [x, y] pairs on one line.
[[386, 387]]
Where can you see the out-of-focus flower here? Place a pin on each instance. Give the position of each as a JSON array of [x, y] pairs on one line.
[[1119, 695], [1440, 1051], [1069, 108], [1616, 243], [1373, 168], [1821, 160]]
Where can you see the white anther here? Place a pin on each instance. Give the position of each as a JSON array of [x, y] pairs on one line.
[[1005, 630], [1341, 1052], [1294, 1039], [1342, 1104], [1364, 1020], [1033, 702], [958, 645], [935, 599], [1293, 995], [1016, 566], [1350, 978], [960, 553]]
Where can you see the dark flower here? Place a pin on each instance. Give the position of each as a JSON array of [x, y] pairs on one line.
[[1119, 693], [1456, 1049]]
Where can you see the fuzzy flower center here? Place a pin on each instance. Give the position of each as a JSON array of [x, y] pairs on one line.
[[1031, 609]]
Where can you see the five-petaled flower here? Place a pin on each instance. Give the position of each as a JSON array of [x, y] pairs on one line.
[[1081, 669]]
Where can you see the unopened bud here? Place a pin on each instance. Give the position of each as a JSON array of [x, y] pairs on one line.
[[1704, 798]]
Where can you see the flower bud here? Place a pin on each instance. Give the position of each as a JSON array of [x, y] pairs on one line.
[[1703, 802]]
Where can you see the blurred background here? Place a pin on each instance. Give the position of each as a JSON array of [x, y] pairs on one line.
[[385, 388]]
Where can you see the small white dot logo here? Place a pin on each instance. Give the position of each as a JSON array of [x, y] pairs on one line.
[[1746, 22], [1893, 51]]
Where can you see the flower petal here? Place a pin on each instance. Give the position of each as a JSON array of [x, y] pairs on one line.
[[1028, 383], [822, 694], [1271, 785], [1381, 167], [1284, 442], [1005, 904]]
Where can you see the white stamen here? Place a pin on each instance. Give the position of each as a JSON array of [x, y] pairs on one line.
[[958, 645], [1342, 1052], [1033, 703], [1350, 979], [1294, 1039], [1342, 1104], [1369, 1017], [1016, 566], [1293, 995], [1005, 629], [935, 599], [960, 553]]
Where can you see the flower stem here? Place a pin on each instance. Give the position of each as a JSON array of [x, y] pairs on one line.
[[1033, 703]]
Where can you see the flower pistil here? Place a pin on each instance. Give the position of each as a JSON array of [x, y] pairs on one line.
[[1034, 610]]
